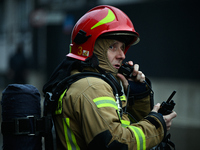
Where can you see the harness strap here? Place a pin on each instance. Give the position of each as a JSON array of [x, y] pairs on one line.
[[30, 125]]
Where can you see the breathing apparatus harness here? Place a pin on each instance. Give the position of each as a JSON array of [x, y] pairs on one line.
[[65, 84]]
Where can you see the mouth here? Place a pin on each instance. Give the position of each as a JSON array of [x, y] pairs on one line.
[[117, 66]]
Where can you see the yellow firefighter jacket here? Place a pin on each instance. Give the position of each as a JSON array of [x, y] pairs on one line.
[[87, 118]]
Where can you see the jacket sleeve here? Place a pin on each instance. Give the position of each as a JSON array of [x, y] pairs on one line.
[[141, 101], [102, 128]]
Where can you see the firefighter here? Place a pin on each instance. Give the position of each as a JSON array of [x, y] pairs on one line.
[[89, 115]]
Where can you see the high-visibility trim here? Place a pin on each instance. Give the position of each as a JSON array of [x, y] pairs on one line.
[[125, 123], [140, 137], [69, 136], [109, 18], [59, 107], [105, 102], [123, 98]]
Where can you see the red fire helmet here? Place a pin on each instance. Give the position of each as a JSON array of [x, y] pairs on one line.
[[104, 21]]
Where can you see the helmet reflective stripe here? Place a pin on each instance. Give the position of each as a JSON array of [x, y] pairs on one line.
[[109, 18], [140, 137], [69, 136]]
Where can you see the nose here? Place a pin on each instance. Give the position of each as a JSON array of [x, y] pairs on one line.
[[121, 54]]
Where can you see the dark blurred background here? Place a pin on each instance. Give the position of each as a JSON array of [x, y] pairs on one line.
[[168, 51]]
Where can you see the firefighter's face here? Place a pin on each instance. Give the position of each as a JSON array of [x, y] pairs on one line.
[[116, 54]]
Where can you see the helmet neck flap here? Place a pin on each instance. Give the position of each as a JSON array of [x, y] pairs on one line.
[[100, 50]]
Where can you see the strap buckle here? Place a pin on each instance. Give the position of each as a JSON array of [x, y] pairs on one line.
[[25, 125], [30, 125]]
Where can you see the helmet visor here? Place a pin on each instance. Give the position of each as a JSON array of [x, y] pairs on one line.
[[125, 37]]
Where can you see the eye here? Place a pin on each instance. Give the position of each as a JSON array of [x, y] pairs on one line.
[[123, 48], [111, 47]]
